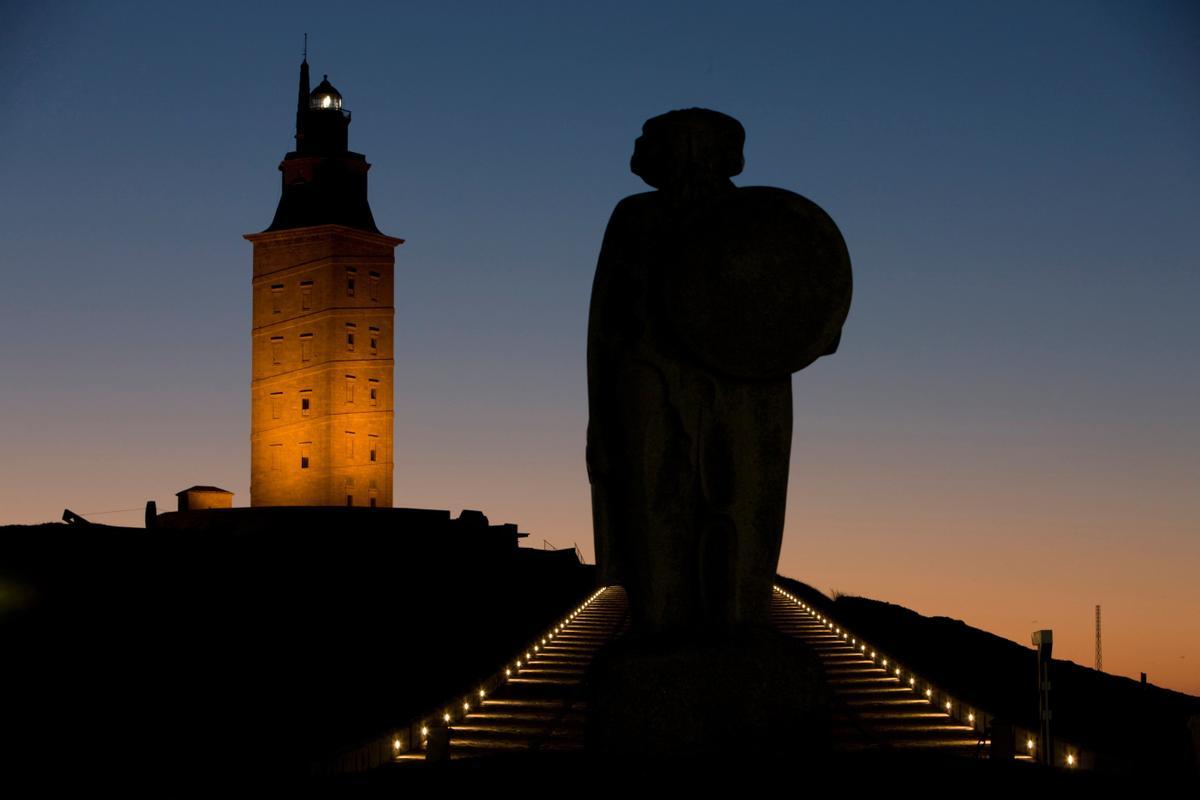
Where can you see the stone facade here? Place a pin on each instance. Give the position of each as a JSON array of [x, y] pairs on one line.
[[321, 407]]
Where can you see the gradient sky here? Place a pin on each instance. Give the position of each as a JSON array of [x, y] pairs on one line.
[[1008, 435]]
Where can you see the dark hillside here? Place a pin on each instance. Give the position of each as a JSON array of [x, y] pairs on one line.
[[253, 651]]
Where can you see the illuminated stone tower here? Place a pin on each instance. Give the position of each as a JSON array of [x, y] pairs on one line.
[[321, 391]]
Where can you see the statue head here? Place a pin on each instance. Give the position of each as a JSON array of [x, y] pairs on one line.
[[688, 148]]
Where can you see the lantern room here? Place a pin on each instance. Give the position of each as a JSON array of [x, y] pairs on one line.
[[325, 97]]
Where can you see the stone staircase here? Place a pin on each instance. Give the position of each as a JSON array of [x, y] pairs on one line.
[[538, 704], [877, 704]]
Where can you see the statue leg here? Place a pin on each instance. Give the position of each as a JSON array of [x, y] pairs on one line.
[[745, 475], [659, 479], [608, 560]]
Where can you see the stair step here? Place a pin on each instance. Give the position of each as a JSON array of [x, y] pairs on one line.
[[875, 706], [539, 705]]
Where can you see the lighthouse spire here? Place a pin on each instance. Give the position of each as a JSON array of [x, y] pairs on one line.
[[302, 99]]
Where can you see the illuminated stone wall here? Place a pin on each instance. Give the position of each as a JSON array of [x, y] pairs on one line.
[[202, 497], [321, 391]]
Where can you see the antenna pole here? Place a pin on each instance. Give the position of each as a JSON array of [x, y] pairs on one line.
[[306, 47], [1099, 654]]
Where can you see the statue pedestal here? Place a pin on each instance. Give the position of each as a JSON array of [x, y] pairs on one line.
[[754, 694]]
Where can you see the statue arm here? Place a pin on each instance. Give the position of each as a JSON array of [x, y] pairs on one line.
[[598, 363], [612, 324]]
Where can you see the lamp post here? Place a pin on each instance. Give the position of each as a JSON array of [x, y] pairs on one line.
[[1044, 642]]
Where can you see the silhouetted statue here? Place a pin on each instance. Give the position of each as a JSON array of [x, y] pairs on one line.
[[707, 298]]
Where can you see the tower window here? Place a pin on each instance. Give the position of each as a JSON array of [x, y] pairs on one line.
[[350, 380], [351, 277], [350, 445], [276, 349], [305, 402], [351, 329], [276, 459], [373, 448], [306, 295], [374, 340], [276, 405], [373, 392], [305, 452], [277, 298], [306, 340], [349, 500], [373, 284]]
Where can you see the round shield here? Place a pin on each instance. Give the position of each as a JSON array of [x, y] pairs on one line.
[[763, 286]]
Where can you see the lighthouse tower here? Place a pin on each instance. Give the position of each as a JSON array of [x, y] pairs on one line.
[[321, 389]]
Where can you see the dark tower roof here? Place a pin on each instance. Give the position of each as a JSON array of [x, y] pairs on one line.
[[324, 183]]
